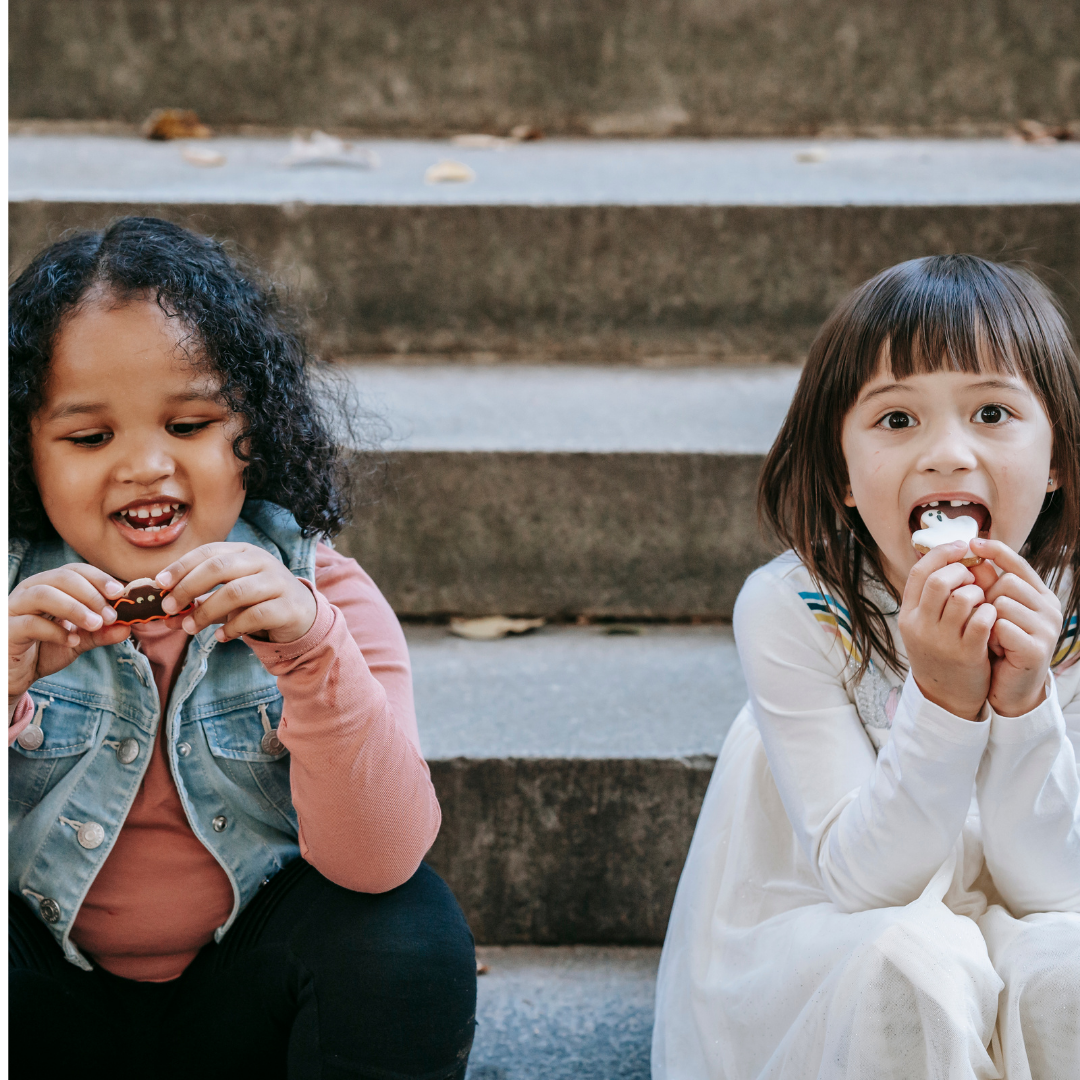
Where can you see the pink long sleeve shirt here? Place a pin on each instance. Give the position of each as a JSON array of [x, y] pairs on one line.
[[361, 789]]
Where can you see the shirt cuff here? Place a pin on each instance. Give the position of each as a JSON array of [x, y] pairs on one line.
[[20, 719], [1037, 724], [274, 654], [930, 718]]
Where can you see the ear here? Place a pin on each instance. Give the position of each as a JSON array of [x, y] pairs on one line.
[[849, 499], [1051, 484]]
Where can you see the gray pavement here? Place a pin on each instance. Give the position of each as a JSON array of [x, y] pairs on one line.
[[566, 409], [577, 692], [564, 1013], [767, 172]]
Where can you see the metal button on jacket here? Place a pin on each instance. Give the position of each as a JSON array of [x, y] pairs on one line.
[[271, 744], [127, 751], [219, 823], [30, 738], [50, 909], [183, 749], [91, 835]]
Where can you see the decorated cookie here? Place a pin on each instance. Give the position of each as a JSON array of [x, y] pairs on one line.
[[937, 529], [141, 603]]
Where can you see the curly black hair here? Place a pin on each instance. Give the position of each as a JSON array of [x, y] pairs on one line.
[[241, 329]]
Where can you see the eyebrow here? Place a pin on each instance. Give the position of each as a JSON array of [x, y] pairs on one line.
[[84, 408], [983, 384]]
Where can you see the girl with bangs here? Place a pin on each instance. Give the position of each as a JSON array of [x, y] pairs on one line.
[[885, 877]]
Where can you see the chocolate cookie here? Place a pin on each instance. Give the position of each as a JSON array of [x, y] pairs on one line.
[[141, 603]]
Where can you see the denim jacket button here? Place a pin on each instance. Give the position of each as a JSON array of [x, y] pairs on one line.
[[271, 744], [183, 749], [219, 823], [127, 751], [30, 738], [91, 835], [50, 909]]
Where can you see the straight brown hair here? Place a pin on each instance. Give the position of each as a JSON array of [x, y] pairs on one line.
[[942, 313]]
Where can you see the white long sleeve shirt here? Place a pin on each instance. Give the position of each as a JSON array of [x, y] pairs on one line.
[[877, 781]]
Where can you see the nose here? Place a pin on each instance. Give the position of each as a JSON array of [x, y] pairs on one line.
[[947, 450], [144, 462]]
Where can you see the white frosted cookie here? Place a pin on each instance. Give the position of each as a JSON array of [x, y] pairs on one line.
[[937, 529]]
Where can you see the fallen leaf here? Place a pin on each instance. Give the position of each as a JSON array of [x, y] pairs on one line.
[[492, 627], [166, 124], [481, 142], [200, 155], [481, 969], [322, 149], [1035, 132], [449, 172], [525, 133]]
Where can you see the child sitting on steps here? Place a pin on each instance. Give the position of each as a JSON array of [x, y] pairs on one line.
[[884, 882], [218, 818]]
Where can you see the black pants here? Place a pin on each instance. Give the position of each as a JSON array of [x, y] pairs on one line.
[[312, 981]]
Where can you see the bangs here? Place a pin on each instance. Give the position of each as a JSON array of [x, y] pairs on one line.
[[953, 313]]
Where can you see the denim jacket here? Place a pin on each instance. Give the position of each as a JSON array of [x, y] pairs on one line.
[[69, 796]]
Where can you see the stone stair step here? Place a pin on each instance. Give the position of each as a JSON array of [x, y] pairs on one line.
[[564, 1013], [560, 492], [662, 253], [579, 68], [570, 765]]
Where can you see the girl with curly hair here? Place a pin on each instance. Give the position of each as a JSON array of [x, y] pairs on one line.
[[219, 805]]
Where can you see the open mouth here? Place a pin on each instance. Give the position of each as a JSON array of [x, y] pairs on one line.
[[953, 508], [151, 517], [152, 524]]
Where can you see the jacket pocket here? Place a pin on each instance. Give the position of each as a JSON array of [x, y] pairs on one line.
[[69, 729], [244, 743]]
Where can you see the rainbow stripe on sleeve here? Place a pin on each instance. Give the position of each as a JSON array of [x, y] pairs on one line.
[[1069, 652], [834, 617]]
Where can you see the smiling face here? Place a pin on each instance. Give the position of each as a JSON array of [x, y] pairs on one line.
[[975, 445], [132, 451]]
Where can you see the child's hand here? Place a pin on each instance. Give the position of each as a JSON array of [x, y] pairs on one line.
[[1026, 632], [946, 624], [54, 617], [258, 594]]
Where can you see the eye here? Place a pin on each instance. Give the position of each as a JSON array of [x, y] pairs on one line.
[[96, 438], [991, 414], [188, 428], [897, 421]]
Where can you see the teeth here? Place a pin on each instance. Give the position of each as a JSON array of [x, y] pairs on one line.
[[934, 503], [959, 502]]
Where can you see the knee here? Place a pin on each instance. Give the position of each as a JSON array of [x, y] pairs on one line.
[[395, 974]]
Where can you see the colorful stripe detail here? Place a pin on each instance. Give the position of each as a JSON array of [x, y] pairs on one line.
[[1069, 652], [834, 617]]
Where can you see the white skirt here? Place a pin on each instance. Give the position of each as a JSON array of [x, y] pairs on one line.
[[762, 978]]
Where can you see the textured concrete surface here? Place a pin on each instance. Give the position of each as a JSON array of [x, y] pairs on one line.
[[657, 535], [606, 67], [570, 765], [567, 850], [559, 409], [650, 284], [770, 172], [577, 692], [571, 1013]]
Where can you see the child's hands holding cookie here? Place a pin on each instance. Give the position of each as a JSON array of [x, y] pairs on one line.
[[55, 616], [1026, 631], [258, 596], [946, 622]]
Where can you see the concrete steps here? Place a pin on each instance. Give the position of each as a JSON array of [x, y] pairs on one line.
[[618, 67], [564, 492], [571, 1013], [570, 765], [660, 253]]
